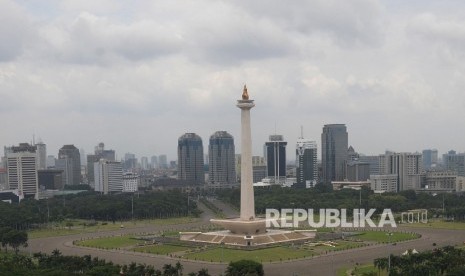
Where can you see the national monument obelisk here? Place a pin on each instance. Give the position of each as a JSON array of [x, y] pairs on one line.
[[246, 224], [247, 196], [246, 230]]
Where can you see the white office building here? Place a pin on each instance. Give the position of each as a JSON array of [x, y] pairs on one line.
[[130, 182], [22, 173], [108, 176], [384, 183]]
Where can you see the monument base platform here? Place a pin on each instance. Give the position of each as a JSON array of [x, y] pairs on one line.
[[242, 227], [271, 236]]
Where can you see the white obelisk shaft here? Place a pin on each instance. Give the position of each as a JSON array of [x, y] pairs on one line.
[[247, 196]]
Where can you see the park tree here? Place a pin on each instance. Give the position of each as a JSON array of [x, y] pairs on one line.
[[245, 267]]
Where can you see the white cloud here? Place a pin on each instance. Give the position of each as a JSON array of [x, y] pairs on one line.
[[88, 71]]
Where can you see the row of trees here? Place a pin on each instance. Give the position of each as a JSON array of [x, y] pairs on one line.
[[322, 197], [91, 205], [12, 238], [57, 264], [441, 261]]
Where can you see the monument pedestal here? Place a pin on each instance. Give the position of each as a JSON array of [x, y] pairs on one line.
[[242, 227]]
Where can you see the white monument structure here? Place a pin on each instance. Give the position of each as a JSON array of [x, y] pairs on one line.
[[247, 230]]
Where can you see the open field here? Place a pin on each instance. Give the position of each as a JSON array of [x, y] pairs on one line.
[[110, 242], [161, 249], [261, 255], [384, 236], [78, 227]]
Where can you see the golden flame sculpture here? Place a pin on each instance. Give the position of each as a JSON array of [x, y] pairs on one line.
[[245, 95]]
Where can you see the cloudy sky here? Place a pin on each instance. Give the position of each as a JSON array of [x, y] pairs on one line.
[[138, 74]]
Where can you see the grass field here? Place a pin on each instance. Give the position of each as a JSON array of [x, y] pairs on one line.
[[78, 227], [384, 237], [437, 224], [161, 249], [261, 255], [110, 242]]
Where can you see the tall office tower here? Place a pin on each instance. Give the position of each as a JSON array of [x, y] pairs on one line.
[[72, 153], [99, 153], [130, 161], [6, 150], [357, 171], [373, 161], [455, 162], [306, 163], [65, 164], [407, 166], [163, 161], [275, 150], [41, 156], [258, 168], [50, 162], [83, 155], [221, 155], [22, 170], [154, 162], [334, 145], [108, 176], [190, 159], [430, 158], [103, 153], [352, 154], [144, 163]]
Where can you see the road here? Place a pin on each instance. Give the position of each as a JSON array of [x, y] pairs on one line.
[[321, 265]]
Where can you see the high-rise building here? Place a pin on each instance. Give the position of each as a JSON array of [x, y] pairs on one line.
[[50, 162], [99, 153], [190, 159], [221, 159], [275, 155], [154, 162], [430, 158], [407, 166], [50, 179], [22, 170], [65, 165], [373, 161], [108, 176], [306, 163], [163, 161], [72, 153], [334, 145], [41, 155], [454, 161], [130, 161], [144, 163], [357, 171]]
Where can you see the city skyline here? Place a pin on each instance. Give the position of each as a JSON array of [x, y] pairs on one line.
[[80, 73]]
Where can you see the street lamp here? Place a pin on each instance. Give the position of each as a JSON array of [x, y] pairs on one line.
[[389, 258]]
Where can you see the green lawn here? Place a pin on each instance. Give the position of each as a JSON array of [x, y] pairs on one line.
[[110, 242], [161, 249], [438, 224], [261, 255], [384, 237], [61, 230]]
